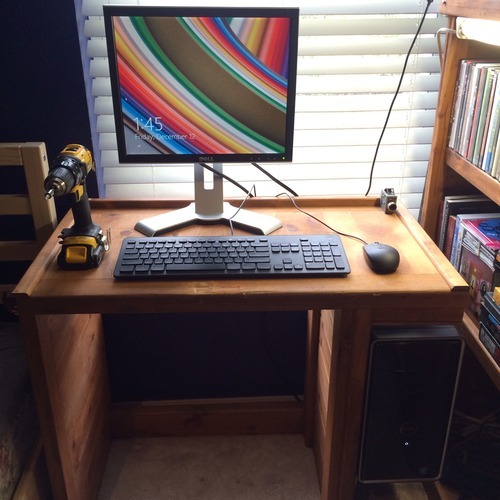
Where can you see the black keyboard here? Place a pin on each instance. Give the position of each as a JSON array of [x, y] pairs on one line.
[[201, 257]]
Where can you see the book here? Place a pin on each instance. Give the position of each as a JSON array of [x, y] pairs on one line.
[[495, 165], [459, 233], [486, 230], [486, 254], [490, 315], [489, 343], [482, 70], [461, 204], [482, 237], [460, 106], [482, 120], [481, 278], [470, 105], [452, 222], [489, 110], [493, 128], [475, 119]]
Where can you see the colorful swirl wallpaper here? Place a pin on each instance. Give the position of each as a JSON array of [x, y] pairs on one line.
[[203, 86]]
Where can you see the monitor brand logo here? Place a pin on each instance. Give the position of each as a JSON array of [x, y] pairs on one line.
[[206, 158]]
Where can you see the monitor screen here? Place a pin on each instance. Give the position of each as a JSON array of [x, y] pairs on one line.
[[195, 85]]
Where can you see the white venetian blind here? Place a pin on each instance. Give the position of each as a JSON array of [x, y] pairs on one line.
[[351, 54]]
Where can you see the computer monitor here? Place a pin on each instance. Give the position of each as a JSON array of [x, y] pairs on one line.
[[203, 85]]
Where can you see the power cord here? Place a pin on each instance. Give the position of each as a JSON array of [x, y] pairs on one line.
[[246, 191], [277, 181], [396, 94], [227, 178]]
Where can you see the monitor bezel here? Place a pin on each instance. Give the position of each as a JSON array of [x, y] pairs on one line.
[[111, 11]]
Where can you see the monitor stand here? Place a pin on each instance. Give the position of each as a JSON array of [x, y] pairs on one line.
[[208, 208]]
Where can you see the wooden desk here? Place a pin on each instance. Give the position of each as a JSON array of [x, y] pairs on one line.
[[60, 316]]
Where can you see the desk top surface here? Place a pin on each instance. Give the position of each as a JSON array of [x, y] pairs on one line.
[[424, 273]]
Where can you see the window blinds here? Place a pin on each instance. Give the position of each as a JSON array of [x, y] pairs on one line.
[[351, 55]]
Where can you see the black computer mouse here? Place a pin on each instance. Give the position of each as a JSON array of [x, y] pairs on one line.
[[382, 259]]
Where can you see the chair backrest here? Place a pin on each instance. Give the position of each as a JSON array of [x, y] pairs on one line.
[[30, 157]]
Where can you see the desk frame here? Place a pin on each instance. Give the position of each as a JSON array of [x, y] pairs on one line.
[[60, 314]]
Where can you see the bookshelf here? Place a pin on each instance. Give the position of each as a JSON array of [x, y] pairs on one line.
[[448, 172]]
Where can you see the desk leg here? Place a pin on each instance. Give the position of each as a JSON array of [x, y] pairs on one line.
[[45, 416], [350, 348], [67, 363], [311, 375]]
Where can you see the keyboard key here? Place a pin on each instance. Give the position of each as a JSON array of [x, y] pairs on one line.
[[194, 268]]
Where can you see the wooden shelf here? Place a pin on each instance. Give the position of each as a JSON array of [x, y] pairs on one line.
[[479, 9], [448, 172], [470, 331], [474, 175]]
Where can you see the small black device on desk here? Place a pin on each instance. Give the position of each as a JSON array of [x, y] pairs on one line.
[[198, 257], [381, 258]]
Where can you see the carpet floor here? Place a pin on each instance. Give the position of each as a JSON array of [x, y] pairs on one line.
[[211, 468]]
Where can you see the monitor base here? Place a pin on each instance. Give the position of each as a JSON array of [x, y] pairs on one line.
[[251, 221]]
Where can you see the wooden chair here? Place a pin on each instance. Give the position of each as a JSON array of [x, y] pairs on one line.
[[32, 158], [23, 168]]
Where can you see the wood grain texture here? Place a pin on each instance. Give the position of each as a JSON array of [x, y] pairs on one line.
[[75, 372], [479, 9], [351, 334], [61, 318], [30, 159], [97, 291], [209, 417]]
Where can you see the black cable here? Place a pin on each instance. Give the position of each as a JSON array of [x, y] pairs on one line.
[[322, 222], [396, 94], [224, 176], [280, 183]]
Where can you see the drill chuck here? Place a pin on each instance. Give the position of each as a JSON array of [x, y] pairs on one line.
[[68, 171], [60, 181]]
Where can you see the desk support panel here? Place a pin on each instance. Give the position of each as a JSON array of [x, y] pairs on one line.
[[338, 458], [70, 368]]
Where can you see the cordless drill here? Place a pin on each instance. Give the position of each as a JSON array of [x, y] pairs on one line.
[[83, 245]]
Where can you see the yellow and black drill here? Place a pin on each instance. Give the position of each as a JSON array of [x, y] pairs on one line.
[[83, 245]]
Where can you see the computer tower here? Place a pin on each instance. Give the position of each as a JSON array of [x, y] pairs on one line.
[[412, 380]]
